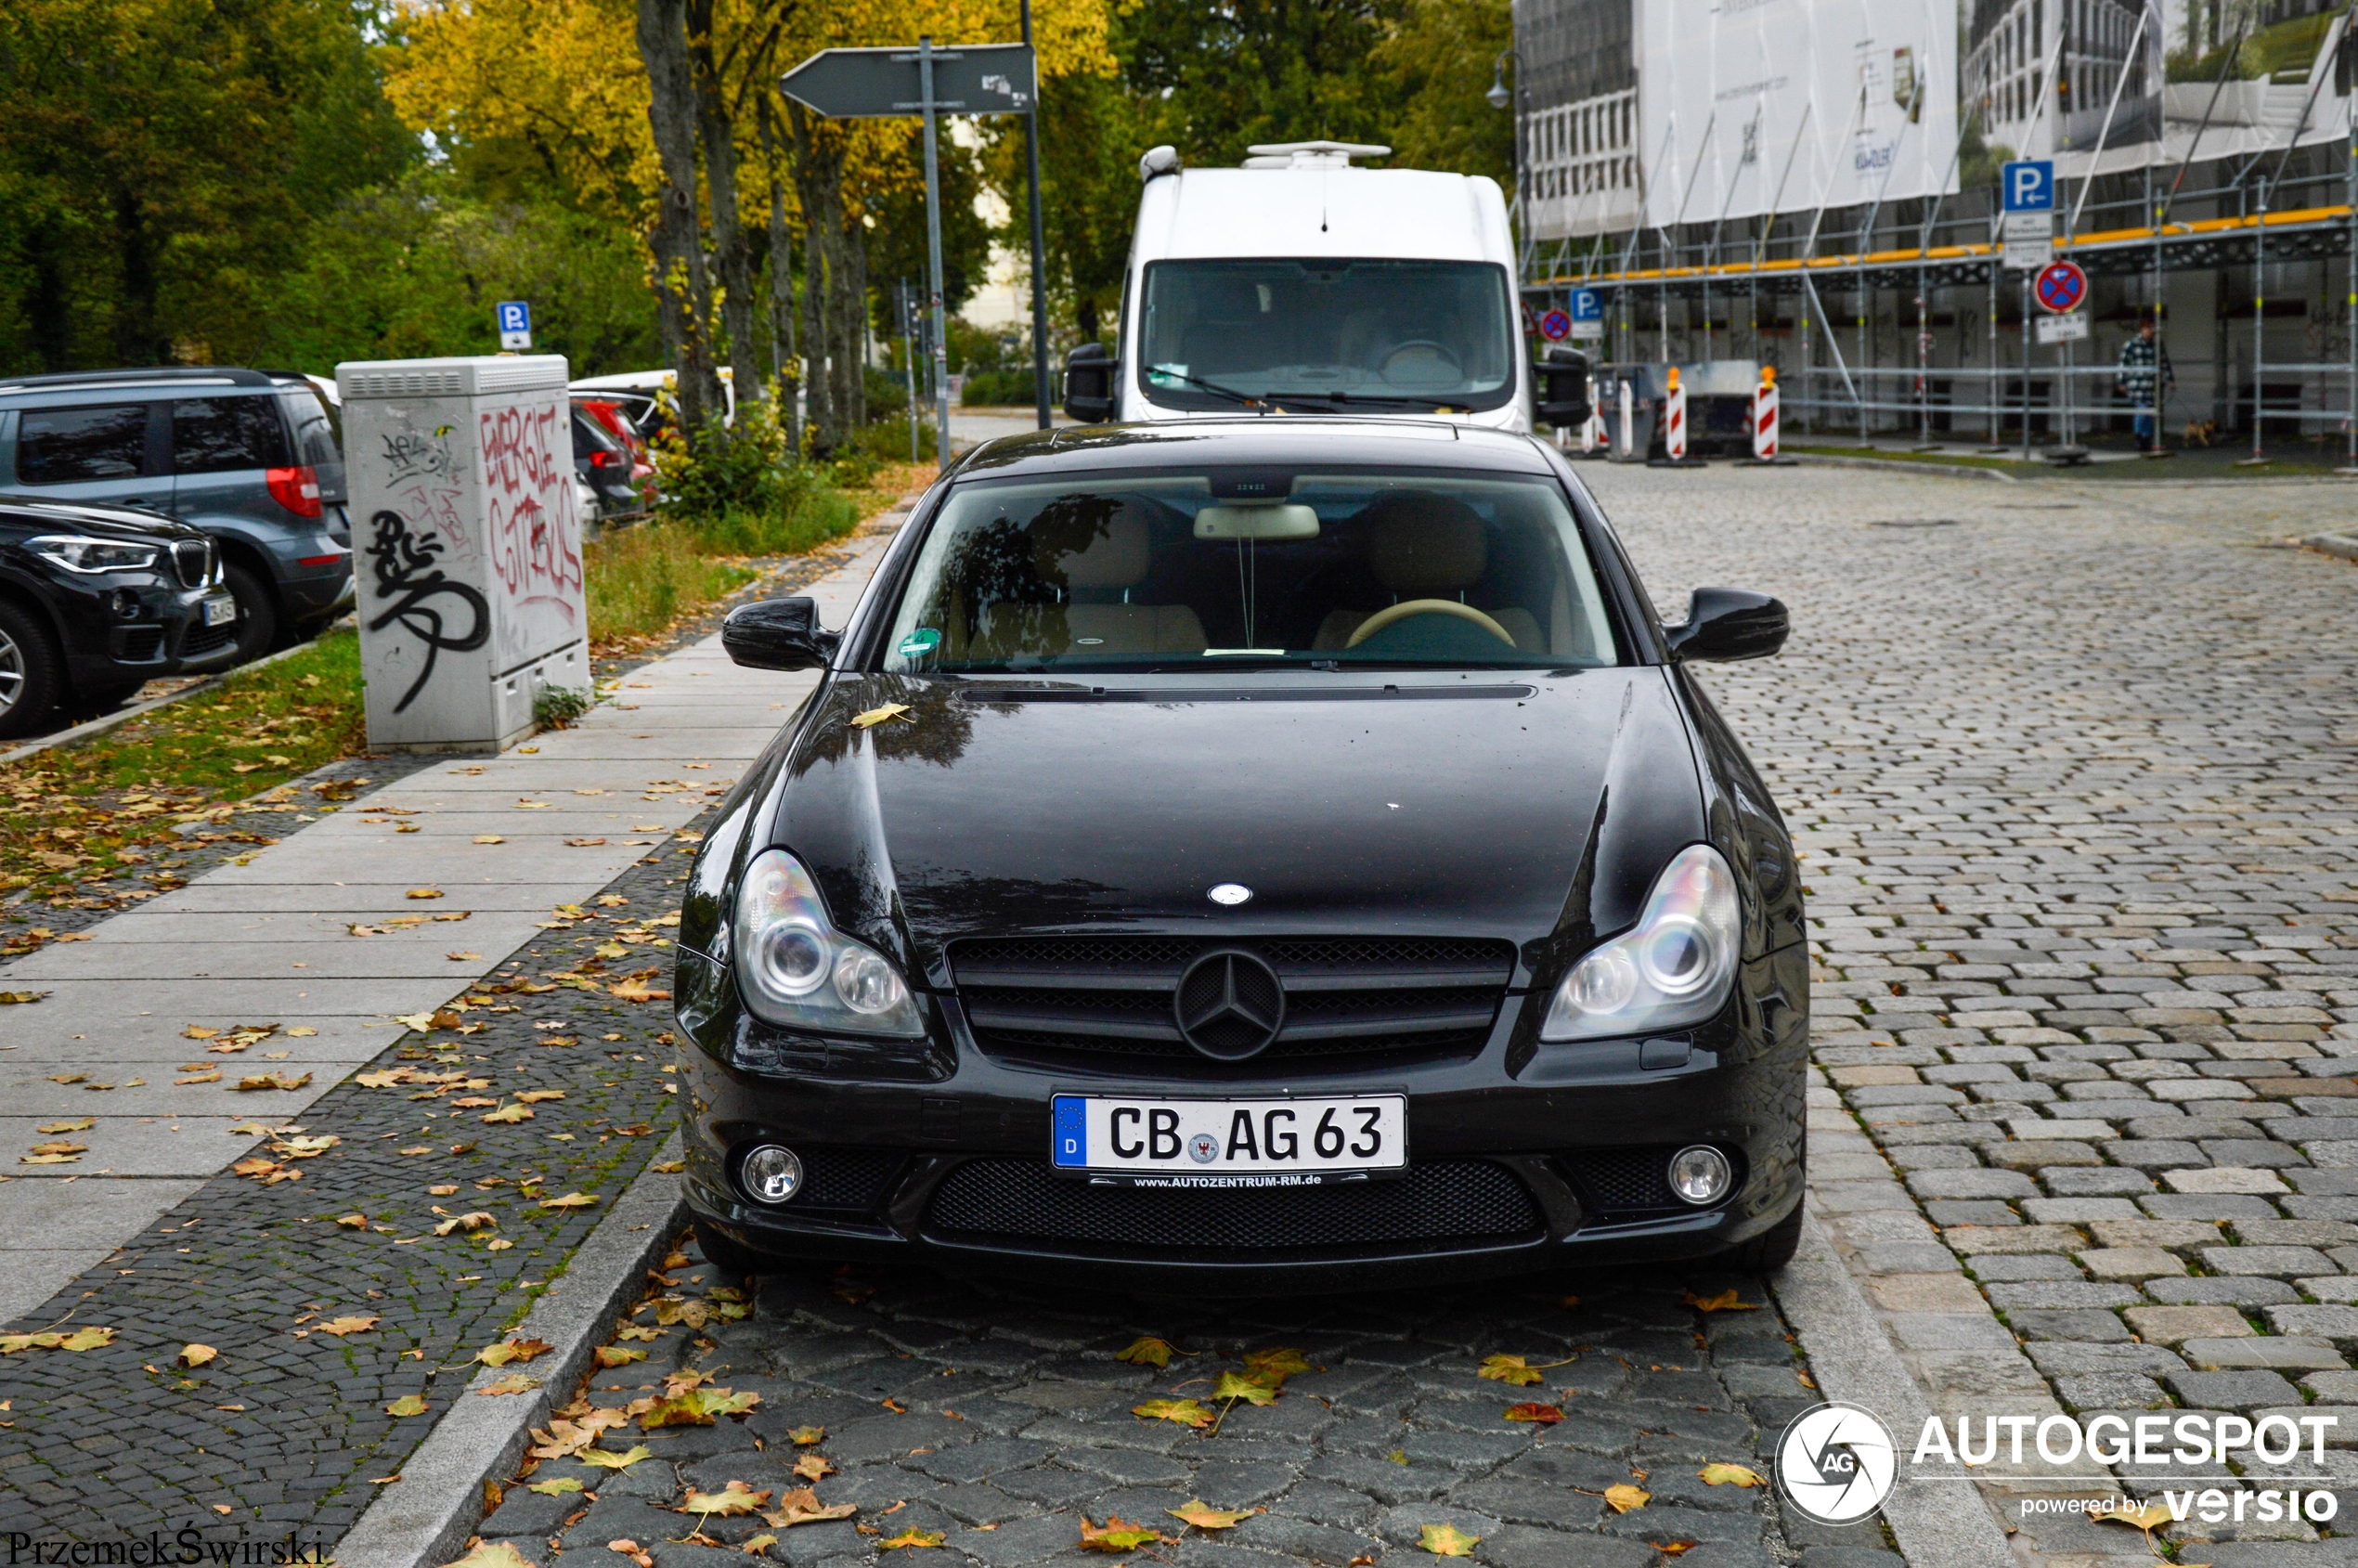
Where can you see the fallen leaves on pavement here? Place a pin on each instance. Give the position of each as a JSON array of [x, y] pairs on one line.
[[606, 1458], [807, 1437], [813, 1467], [802, 1506], [340, 1327], [1447, 1540], [493, 1554], [1514, 1370], [196, 1355], [513, 1350], [80, 1340], [1544, 1415], [1203, 1516], [1727, 1301], [407, 1405], [731, 1501], [1624, 1497], [1144, 1351], [1728, 1475], [514, 1383], [1187, 1412], [912, 1536], [1114, 1535]]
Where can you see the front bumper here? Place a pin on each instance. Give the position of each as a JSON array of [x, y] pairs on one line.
[[886, 1133]]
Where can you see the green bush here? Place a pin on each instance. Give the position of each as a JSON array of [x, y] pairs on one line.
[[998, 389], [712, 471]]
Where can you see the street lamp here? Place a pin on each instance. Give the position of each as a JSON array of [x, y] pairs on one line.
[[1500, 97]]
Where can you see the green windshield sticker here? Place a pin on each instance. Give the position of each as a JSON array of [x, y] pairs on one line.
[[918, 643]]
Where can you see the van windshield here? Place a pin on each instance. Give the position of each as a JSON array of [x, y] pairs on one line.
[[1420, 335], [1220, 569]]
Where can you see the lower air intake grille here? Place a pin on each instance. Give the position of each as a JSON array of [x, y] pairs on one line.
[[202, 640], [1621, 1185], [141, 643], [1447, 1203], [845, 1178]]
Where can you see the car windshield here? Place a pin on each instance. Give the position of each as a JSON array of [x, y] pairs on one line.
[[1227, 569], [1376, 334]]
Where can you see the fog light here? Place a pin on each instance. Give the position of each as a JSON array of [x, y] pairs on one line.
[[771, 1175], [1700, 1174]]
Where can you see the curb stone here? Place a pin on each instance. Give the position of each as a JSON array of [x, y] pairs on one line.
[[2343, 545], [426, 1517], [1854, 1362]]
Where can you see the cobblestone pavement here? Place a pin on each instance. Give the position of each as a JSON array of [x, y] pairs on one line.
[[1001, 1419], [2074, 770], [287, 1426]]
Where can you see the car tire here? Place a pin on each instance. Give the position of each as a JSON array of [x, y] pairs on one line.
[[257, 611], [736, 1262], [1773, 1247], [31, 674]]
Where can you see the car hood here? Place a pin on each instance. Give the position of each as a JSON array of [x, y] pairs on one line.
[[110, 523], [1535, 807]]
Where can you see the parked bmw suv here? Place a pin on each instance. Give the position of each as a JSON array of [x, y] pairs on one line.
[[96, 600], [250, 457]]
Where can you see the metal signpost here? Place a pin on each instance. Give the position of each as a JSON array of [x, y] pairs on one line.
[[513, 318], [2062, 288], [2026, 189], [888, 83]]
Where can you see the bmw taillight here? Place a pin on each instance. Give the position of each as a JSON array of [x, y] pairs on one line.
[[604, 459], [297, 489]]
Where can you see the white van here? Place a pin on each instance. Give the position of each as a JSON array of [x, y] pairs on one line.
[[1302, 283]]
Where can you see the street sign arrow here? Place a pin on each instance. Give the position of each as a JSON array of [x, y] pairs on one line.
[[882, 84]]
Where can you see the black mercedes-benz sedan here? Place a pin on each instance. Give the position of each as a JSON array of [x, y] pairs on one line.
[[1271, 853]]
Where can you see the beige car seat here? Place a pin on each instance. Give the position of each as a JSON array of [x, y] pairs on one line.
[[1118, 560], [1425, 546]]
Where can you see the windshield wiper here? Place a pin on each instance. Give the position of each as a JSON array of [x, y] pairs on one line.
[[1246, 398], [1373, 399]]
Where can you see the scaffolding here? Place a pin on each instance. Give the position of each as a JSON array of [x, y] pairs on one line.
[[1900, 318]]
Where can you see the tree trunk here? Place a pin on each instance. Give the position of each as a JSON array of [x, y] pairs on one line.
[[818, 175], [138, 340], [731, 244], [682, 290], [781, 333]]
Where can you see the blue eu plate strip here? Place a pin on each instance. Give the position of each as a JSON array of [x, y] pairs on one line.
[[1071, 1142]]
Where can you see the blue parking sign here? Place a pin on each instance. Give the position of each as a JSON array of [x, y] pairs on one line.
[[516, 316], [1588, 305], [2029, 185]]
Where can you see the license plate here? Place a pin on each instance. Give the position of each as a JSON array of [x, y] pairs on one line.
[[1230, 1143], [221, 609]]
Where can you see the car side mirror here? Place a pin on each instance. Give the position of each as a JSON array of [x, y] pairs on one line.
[[778, 634], [1089, 383], [1727, 624], [1563, 388]]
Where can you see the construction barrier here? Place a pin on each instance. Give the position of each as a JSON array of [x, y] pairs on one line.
[[1674, 432], [1628, 419], [1764, 416]]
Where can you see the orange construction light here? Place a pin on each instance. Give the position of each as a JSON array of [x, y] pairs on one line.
[[1674, 377], [1767, 375]]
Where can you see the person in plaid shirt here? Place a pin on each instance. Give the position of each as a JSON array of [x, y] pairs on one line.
[[2146, 379]]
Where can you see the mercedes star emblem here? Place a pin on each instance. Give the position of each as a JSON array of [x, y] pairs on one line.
[[1230, 893], [1230, 1005]]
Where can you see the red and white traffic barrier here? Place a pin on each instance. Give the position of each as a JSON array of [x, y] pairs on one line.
[[1764, 415], [1628, 419], [1674, 430]]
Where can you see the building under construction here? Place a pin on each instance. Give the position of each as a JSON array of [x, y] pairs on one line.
[[1793, 190]]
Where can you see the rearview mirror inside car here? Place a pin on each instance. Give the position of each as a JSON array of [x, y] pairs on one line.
[[1283, 521], [1563, 388], [1727, 624], [778, 634], [1089, 383]]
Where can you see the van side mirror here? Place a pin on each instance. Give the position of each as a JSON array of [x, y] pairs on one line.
[[1563, 388], [778, 634], [1727, 624], [1089, 383]]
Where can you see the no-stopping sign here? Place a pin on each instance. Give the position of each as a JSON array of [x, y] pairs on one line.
[[2061, 287]]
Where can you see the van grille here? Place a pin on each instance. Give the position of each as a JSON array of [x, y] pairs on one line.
[[1109, 998]]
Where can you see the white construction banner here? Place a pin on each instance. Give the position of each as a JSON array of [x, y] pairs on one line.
[[1753, 106]]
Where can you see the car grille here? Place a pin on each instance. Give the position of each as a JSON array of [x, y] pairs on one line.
[[200, 640], [845, 1178], [1450, 1203], [1068, 998], [192, 562], [141, 643], [1626, 1186]]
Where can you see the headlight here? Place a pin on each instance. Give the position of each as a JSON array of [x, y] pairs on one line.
[[793, 967], [76, 553], [1675, 968]]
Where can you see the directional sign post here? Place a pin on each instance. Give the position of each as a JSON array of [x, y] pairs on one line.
[[513, 318], [1587, 310], [888, 83]]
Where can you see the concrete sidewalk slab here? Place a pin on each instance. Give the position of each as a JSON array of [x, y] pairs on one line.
[[266, 938]]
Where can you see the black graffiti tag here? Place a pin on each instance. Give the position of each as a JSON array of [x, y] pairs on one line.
[[406, 572]]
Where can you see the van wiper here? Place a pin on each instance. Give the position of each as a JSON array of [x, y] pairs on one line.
[[1372, 399], [1246, 398]]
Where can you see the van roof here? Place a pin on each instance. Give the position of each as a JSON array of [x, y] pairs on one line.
[[1395, 214]]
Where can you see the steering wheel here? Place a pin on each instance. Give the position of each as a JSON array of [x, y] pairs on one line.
[[1401, 611], [1440, 350]]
